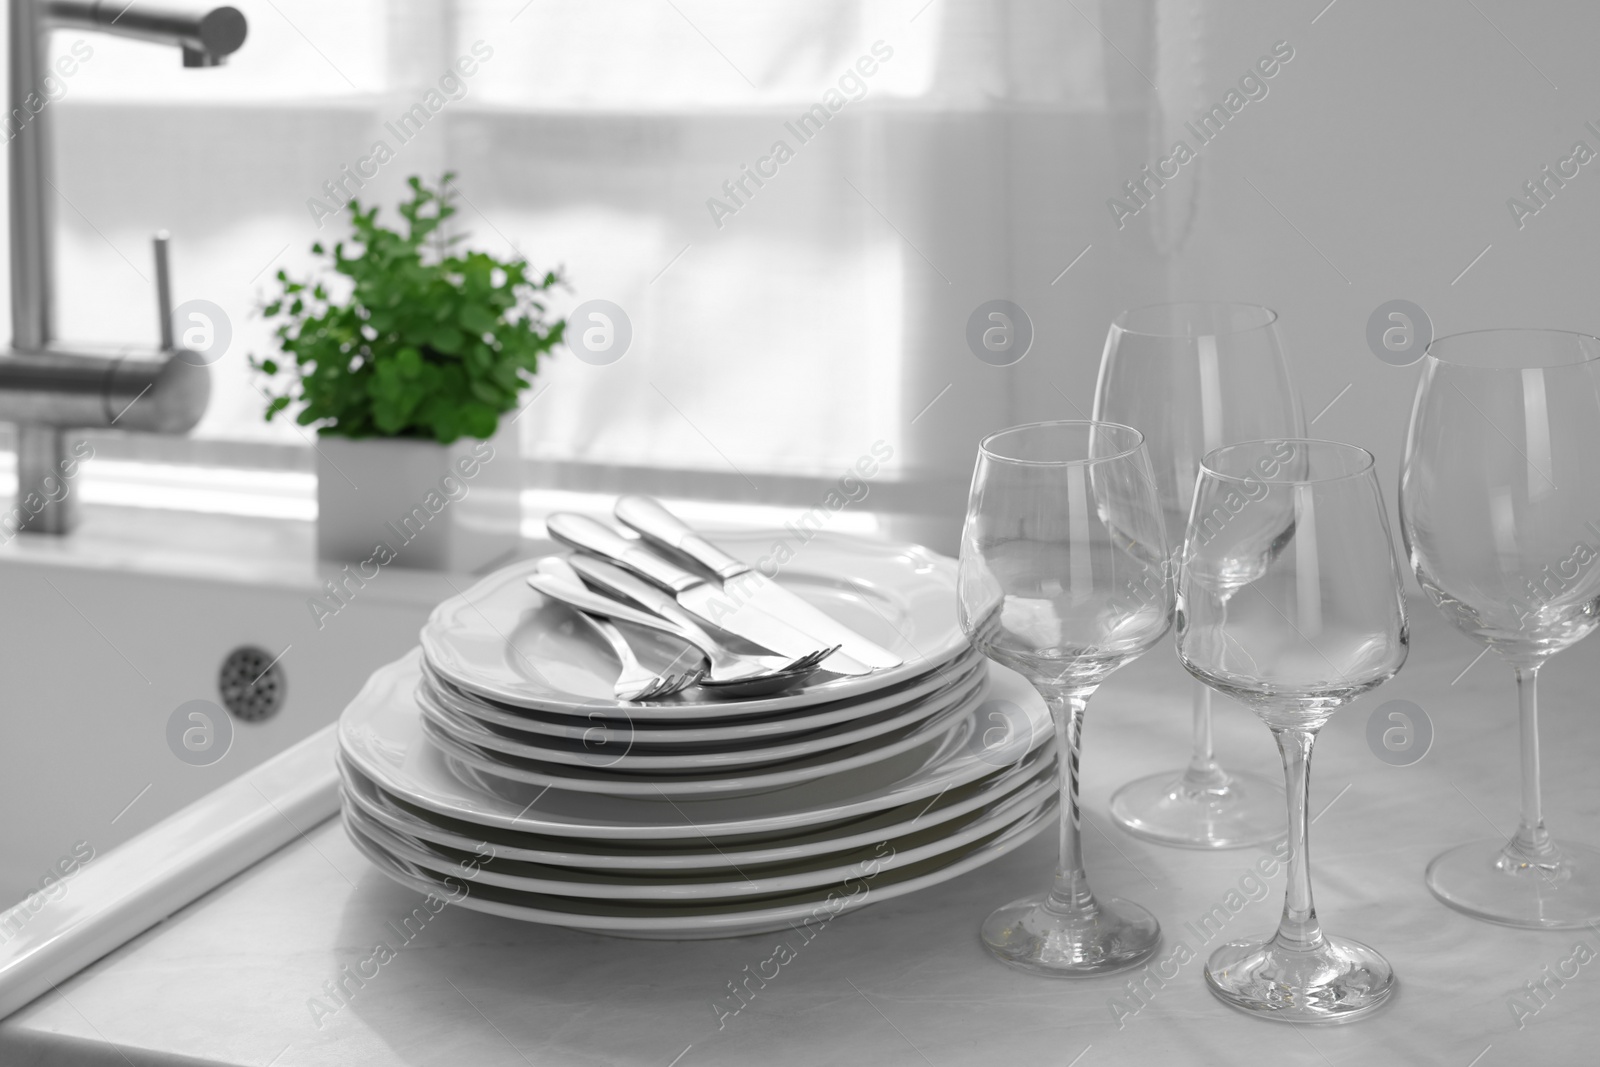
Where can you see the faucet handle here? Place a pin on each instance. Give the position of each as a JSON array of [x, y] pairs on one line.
[[164, 289]]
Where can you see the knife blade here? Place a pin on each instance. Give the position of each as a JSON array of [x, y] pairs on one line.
[[701, 598], [660, 526]]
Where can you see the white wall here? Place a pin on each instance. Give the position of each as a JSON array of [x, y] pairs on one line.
[[1391, 143]]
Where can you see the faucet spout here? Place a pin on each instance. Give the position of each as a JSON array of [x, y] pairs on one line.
[[206, 38]]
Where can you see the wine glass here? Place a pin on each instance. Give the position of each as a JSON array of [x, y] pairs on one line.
[[1290, 600], [1500, 511], [1063, 579], [1194, 377]]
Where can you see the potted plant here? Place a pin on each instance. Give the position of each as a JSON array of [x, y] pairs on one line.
[[404, 360]]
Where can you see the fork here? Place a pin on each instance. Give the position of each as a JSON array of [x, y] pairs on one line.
[[560, 578], [637, 682], [726, 666]]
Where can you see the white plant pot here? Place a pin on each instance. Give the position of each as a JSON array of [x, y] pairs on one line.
[[408, 503]]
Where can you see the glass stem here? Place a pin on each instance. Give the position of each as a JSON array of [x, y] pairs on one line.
[[1531, 840], [1070, 893], [1298, 930], [1203, 775]]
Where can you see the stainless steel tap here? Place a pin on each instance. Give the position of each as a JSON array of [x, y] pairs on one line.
[[45, 387]]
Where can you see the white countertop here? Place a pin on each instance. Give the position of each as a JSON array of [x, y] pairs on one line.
[[229, 979]]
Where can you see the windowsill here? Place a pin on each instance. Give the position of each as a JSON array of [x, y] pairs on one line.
[[362, 104], [277, 480], [256, 547]]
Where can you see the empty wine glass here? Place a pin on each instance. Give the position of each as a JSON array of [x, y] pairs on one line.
[[1194, 377], [1290, 600], [1063, 579], [1500, 510]]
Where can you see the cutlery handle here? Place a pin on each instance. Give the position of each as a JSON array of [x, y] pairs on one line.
[[618, 582], [663, 527], [576, 596], [580, 531]]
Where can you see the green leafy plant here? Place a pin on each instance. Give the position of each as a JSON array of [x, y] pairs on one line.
[[409, 339]]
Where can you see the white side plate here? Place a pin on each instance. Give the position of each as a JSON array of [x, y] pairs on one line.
[[656, 724], [616, 748], [476, 765], [502, 640]]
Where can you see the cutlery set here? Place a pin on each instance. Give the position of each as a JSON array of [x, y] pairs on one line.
[[732, 597], [727, 673]]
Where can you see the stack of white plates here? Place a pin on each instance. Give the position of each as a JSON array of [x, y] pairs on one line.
[[494, 768]]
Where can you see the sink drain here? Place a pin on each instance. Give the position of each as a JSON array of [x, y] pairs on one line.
[[253, 687]]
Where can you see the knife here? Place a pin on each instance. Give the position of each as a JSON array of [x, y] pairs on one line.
[[660, 526], [702, 599]]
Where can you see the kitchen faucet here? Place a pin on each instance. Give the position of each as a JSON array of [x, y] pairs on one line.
[[47, 389]]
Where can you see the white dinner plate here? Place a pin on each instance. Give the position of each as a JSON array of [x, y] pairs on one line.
[[659, 728], [502, 640], [681, 922], [381, 734], [486, 866], [607, 749], [410, 821]]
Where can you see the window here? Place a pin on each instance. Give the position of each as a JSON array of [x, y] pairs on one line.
[[780, 327]]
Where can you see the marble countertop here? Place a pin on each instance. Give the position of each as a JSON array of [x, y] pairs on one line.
[[236, 977]]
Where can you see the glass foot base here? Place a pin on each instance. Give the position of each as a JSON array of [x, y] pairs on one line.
[[1340, 981], [1488, 880], [1167, 810], [1036, 935]]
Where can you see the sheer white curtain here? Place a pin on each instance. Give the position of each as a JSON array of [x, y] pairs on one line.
[[813, 315]]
